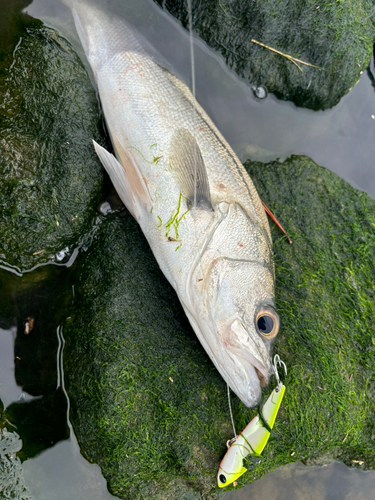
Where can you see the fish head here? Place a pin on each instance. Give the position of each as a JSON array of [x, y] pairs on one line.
[[240, 324]]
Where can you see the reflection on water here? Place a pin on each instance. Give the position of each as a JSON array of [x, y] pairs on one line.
[[9, 390], [60, 472], [32, 391], [48, 474], [298, 482]]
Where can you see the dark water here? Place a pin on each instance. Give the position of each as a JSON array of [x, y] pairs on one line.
[[31, 366]]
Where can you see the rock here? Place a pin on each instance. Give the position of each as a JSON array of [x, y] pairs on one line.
[[12, 483], [50, 178], [325, 290], [147, 404], [335, 36]]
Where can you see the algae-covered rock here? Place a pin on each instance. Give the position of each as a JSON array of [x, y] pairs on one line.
[[12, 483], [325, 285], [335, 36], [148, 405], [50, 178]]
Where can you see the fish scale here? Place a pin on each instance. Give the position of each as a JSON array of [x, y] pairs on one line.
[[217, 255]]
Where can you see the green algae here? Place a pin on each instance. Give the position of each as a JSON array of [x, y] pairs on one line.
[[130, 362], [148, 405], [335, 36], [326, 299], [174, 221], [50, 178]]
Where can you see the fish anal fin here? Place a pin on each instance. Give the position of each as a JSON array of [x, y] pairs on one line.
[[188, 166]]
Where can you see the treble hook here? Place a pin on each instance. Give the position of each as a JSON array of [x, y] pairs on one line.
[[277, 362]]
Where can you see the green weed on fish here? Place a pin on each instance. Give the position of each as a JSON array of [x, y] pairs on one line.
[[175, 220], [155, 159]]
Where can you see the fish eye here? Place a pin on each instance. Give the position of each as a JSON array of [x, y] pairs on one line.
[[222, 478], [267, 322]]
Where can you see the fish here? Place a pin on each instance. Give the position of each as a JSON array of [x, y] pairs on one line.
[[191, 196]]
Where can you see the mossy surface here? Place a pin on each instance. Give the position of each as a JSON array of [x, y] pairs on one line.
[[50, 178], [336, 36], [148, 405], [325, 284]]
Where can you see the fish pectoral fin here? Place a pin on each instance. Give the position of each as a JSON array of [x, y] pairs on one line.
[[133, 173], [188, 166], [129, 187]]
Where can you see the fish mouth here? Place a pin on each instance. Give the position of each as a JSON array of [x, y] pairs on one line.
[[240, 359], [248, 386], [255, 377], [250, 349], [262, 379], [250, 360], [260, 370]]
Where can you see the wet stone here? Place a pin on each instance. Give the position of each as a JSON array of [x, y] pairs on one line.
[[12, 483], [335, 36], [128, 339], [50, 178]]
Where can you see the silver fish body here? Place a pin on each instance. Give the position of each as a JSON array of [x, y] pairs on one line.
[[192, 198]]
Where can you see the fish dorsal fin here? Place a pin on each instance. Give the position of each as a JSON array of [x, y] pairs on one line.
[[188, 165], [126, 179]]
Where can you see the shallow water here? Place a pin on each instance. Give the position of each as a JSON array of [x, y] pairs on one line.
[[339, 139], [59, 472]]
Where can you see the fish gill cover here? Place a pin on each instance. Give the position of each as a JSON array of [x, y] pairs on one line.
[[50, 177], [335, 36], [149, 406]]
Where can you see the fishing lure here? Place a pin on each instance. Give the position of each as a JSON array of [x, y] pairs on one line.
[[253, 439]]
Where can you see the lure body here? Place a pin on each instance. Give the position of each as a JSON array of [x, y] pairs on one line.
[[251, 441]]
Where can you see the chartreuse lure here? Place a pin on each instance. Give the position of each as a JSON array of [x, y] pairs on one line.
[[253, 439]]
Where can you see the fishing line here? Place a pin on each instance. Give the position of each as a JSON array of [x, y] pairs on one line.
[[190, 14], [192, 62], [230, 411]]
